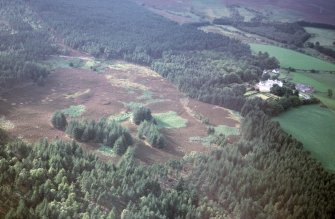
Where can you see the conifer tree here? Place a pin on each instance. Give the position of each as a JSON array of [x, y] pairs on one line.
[[141, 114], [58, 120], [120, 146]]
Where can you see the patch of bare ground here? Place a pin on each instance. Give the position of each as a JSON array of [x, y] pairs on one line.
[[29, 107]]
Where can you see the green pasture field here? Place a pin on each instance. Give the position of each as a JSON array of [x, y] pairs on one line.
[[325, 37], [321, 83], [170, 120], [120, 117], [290, 58], [314, 126]]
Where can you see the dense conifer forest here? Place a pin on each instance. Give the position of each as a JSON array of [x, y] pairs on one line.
[[23, 43], [265, 174], [175, 51]]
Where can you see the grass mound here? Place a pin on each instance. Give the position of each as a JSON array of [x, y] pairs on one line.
[[169, 120], [107, 151], [74, 110], [226, 130], [120, 117]]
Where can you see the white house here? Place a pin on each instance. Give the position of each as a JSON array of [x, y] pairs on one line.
[[276, 71], [273, 71], [265, 86]]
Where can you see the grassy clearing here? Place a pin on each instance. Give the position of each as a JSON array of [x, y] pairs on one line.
[[107, 151], [77, 62], [125, 83], [226, 130], [120, 117], [290, 58], [235, 115], [133, 105], [314, 127], [211, 139], [148, 98], [126, 67], [60, 62], [74, 110], [205, 141], [120, 66], [324, 36], [147, 95], [170, 120]]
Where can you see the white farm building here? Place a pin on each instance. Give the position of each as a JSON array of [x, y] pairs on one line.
[[265, 86]]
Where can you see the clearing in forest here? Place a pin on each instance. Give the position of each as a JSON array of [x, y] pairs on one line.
[[170, 120], [83, 92]]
